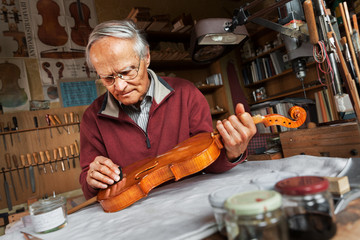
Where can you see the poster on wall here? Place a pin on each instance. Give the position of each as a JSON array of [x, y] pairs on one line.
[[14, 87], [16, 37], [61, 29]]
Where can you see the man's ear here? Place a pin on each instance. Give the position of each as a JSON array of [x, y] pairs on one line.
[[147, 57]]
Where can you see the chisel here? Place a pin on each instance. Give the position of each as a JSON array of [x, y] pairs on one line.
[[7, 192], [48, 158], [61, 159], [8, 165], [77, 120], [49, 124], [31, 173], [3, 130], [59, 122], [37, 128], [66, 150], [23, 162], [55, 152], [72, 121], [16, 127], [42, 160], [17, 169], [53, 122], [72, 152], [36, 161], [66, 122]]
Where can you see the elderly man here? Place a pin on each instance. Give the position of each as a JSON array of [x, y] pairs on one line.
[[143, 115]]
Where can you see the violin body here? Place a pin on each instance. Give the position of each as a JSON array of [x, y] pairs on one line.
[[50, 31], [188, 157], [81, 31]]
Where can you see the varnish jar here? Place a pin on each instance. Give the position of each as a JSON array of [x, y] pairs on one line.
[[309, 207], [255, 215], [48, 215]]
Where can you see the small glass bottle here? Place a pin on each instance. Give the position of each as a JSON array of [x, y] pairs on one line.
[[48, 215], [308, 206], [255, 215]]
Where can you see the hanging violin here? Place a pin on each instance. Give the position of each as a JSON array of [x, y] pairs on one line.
[[186, 158]]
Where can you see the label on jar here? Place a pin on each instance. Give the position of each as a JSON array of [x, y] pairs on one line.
[[49, 220]]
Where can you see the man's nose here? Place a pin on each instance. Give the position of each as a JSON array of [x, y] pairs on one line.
[[120, 84]]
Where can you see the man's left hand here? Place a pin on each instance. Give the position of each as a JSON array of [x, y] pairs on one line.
[[236, 132]]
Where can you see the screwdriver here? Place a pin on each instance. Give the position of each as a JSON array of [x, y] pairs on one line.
[[16, 127], [37, 127], [49, 124]]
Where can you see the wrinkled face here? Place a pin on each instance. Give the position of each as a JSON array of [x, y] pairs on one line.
[[111, 56]]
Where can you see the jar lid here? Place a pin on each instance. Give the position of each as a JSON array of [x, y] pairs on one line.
[[302, 185], [251, 203], [218, 197], [47, 204]]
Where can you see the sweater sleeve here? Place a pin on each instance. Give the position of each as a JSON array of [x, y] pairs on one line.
[[90, 147]]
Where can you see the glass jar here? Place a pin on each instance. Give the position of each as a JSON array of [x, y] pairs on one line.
[[218, 198], [308, 206], [255, 215], [48, 215]]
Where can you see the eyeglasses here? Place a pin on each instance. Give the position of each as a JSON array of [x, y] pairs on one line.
[[126, 75]]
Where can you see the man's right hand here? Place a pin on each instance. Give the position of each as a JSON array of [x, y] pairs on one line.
[[102, 173]]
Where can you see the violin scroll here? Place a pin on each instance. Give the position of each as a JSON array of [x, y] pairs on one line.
[[297, 113]]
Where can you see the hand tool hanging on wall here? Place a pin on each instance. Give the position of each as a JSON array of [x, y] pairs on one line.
[[55, 152], [14, 119], [7, 191], [59, 122], [31, 173], [77, 120], [4, 138], [72, 152], [8, 165], [16, 164], [23, 162], [77, 149], [61, 159], [48, 160], [42, 160], [49, 124], [72, 121], [37, 128], [36, 161], [66, 122], [53, 122], [8, 129], [66, 150]]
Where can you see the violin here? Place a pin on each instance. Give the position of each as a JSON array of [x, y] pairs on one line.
[[81, 31], [186, 158], [50, 32]]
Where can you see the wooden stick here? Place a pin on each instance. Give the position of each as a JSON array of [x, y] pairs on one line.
[[349, 80], [82, 205], [351, 46]]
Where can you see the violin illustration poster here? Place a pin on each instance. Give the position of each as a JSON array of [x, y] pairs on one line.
[[53, 70], [14, 87], [16, 37], [61, 27]]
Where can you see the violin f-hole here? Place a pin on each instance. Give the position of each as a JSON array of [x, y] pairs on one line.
[[145, 170]]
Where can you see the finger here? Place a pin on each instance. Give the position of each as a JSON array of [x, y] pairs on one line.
[[93, 181], [239, 109], [108, 163]]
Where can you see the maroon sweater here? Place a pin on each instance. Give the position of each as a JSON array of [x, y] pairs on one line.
[[179, 111]]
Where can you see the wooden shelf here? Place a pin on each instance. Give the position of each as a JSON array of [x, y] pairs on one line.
[[209, 88], [287, 94], [264, 53], [255, 84]]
